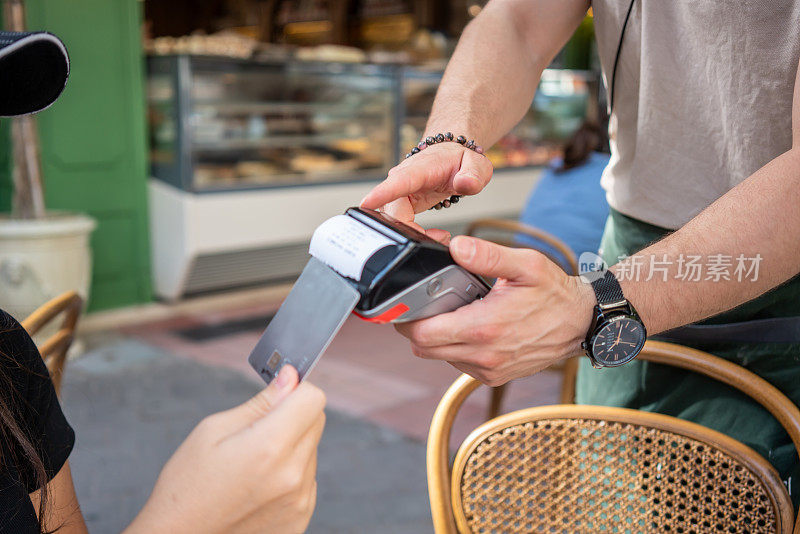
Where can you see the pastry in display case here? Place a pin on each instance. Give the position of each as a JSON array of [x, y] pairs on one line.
[[564, 99], [226, 123]]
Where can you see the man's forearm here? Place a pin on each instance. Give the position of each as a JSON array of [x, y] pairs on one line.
[[757, 223], [491, 79]]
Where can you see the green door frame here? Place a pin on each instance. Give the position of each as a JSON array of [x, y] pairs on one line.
[[94, 152]]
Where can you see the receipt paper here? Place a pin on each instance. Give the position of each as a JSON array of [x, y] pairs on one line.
[[346, 244]]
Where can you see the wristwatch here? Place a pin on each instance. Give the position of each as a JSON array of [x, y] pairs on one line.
[[617, 333]]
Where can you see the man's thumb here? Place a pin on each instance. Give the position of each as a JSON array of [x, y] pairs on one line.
[[474, 174], [492, 260]]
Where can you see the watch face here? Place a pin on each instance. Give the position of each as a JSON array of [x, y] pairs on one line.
[[618, 341]]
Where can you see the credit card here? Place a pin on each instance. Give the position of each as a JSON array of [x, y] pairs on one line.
[[306, 323]]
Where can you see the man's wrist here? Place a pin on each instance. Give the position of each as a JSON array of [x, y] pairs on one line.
[[632, 290], [470, 132], [585, 302], [445, 137]]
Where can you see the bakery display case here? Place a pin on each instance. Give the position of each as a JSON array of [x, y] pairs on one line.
[[564, 99], [249, 156], [224, 123]]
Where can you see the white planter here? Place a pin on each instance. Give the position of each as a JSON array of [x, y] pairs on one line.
[[41, 259]]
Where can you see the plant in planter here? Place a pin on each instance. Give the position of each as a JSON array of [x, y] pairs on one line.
[[42, 253]]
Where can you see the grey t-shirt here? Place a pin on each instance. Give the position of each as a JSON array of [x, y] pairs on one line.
[[703, 99]]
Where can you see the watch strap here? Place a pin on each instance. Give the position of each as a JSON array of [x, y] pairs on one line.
[[607, 290]]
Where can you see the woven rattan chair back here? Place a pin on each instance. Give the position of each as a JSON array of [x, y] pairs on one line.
[[573, 469], [54, 348]]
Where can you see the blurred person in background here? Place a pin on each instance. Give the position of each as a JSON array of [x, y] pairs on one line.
[[705, 166], [568, 201]]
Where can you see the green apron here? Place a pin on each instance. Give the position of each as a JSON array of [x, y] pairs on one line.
[[671, 391]]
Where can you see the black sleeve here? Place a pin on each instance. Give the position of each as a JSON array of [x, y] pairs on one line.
[[28, 394]]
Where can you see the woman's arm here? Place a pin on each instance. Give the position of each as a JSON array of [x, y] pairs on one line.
[[251, 468], [63, 511]]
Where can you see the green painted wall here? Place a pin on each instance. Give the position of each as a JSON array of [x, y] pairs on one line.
[[93, 139]]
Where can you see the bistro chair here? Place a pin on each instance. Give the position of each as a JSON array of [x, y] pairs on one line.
[[504, 232], [575, 469], [54, 348]]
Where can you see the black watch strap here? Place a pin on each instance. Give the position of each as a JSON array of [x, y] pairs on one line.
[[608, 291]]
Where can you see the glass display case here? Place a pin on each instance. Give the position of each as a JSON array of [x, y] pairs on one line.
[[564, 99], [222, 123], [219, 124]]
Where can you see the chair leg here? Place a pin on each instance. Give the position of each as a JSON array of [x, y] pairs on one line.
[[568, 385], [496, 402]]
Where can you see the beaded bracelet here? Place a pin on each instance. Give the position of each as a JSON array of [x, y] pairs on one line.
[[441, 138]]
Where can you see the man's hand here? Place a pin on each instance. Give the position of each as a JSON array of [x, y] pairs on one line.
[[534, 316], [429, 177], [248, 469]]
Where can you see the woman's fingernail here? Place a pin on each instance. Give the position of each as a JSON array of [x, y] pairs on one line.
[[282, 380], [464, 247]]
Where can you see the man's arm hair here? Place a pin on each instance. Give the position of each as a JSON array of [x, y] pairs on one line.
[[491, 79], [760, 216]]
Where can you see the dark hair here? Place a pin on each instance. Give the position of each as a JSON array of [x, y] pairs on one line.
[[588, 138], [18, 439]]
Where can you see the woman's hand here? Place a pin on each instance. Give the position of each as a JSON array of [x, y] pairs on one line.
[[249, 469], [428, 177], [534, 316]]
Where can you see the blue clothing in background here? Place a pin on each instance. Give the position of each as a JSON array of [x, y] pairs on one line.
[[570, 205]]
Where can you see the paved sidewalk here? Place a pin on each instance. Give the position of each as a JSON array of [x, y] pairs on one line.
[[368, 372], [132, 404], [138, 392]]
